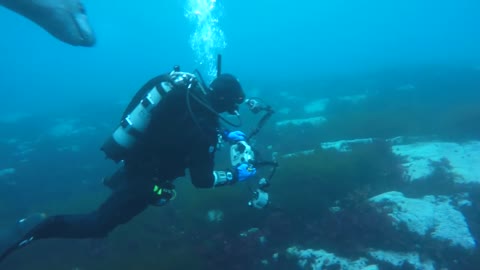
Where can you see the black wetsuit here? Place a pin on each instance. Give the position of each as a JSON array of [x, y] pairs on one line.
[[175, 141]]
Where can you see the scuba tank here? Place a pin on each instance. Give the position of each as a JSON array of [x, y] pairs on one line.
[[138, 113]]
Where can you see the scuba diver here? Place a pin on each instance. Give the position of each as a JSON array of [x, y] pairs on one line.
[[171, 124]]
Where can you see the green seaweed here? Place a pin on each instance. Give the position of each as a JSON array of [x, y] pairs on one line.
[[319, 179]]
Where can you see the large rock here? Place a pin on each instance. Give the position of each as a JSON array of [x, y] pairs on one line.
[[420, 159], [7, 171], [312, 121], [431, 216], [345, 145], [461, 159], [321, 259], [316, 106], [401, 259]]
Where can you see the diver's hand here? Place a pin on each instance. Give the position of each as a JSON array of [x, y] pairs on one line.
[[236, 136], [245, 171]]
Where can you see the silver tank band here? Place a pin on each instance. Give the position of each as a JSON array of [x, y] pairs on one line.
[[222, 178]]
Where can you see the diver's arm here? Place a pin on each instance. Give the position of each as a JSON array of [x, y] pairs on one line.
[[201, 166], [215, 179], [203, 175], [202, 170], [240, 173]]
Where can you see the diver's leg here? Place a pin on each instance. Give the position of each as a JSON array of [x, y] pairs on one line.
[[119, 208], [122, 205], [14, 237]]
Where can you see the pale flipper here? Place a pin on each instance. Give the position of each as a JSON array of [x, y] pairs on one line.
[[16, 236], [64, 19]]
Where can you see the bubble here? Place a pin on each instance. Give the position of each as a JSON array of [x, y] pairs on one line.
[[207, 39]]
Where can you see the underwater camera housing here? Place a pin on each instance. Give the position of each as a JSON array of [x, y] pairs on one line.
[[261, 198], [241, 152]]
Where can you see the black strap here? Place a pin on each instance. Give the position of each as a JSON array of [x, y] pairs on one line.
[[261, 123]]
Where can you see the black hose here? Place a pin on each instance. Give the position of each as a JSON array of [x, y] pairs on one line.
[[260, 124]]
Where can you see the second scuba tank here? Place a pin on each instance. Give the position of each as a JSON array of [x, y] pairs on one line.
[[135, 122], [137, 115]]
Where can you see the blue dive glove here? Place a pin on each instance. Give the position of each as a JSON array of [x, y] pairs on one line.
[[236, 136], [245, 171]]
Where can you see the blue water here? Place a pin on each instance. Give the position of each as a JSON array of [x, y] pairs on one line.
[[288, 52], [266, 40]]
